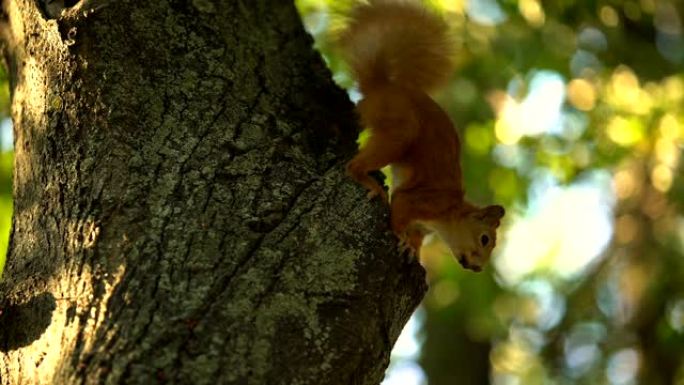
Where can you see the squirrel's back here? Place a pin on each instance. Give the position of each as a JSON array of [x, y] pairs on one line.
[[399, 42]]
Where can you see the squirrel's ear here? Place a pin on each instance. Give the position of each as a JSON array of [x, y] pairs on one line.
[[491, 215]]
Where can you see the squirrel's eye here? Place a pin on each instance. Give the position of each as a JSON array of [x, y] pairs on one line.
[[484, 239]]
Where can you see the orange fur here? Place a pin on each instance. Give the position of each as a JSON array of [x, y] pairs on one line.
[[398, 51], [397, 41]]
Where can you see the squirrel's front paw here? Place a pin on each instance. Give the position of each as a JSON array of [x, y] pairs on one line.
[[404, 246], [378, 193]]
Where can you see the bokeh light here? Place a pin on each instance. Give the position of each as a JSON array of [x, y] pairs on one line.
[[562, 231]]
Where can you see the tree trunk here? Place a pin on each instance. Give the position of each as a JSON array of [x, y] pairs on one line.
[[181, 210]]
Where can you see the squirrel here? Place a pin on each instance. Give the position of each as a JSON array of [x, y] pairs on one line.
[[399, 51]]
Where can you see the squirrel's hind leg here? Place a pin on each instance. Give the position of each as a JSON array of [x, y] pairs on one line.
[[376, 154]]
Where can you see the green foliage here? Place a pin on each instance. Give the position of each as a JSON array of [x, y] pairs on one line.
[[6, 162]]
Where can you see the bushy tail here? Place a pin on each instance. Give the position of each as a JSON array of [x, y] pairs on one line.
[[397, 41]]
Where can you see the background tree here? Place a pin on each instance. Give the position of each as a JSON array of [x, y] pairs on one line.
[[180, 210]]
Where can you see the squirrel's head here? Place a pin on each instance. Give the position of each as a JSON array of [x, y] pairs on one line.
[[472, 236]]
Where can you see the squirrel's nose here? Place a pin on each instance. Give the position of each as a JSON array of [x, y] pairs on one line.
[[463, 261]]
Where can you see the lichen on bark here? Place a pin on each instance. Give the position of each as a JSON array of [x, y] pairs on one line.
[[182, 214]]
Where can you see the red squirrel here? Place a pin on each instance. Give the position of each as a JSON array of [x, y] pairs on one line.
[[398, 51]]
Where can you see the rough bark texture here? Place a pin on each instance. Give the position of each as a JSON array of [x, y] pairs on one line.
[[181, 212]]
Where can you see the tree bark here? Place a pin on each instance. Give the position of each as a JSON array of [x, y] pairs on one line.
[[181, 210]]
